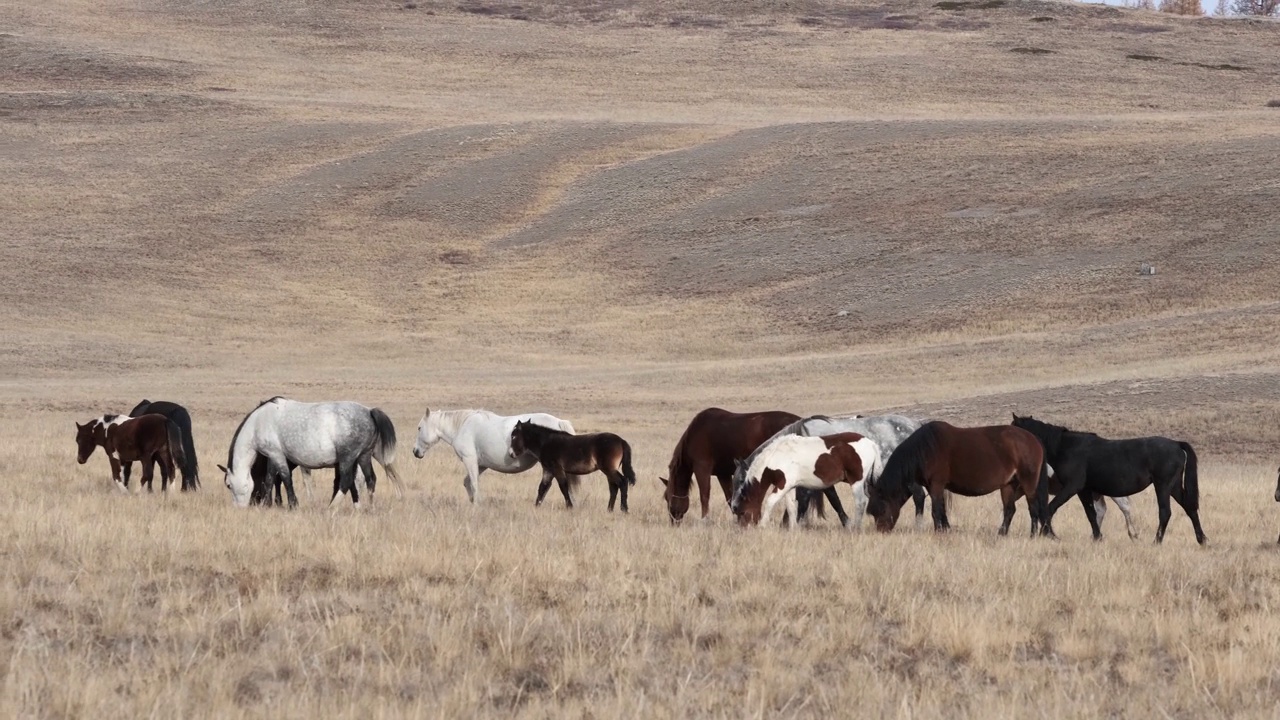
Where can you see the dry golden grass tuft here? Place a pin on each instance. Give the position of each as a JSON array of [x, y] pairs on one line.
[[623, 213]]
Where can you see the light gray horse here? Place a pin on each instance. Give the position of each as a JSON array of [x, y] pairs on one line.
[[287, 433], [481, 440], [886, 431]]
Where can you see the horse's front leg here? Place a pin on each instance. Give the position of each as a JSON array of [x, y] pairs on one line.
[[148, 475], [703, 476], [917, 496], [772, 501], [938, 495], [860, 501], [1087, 500], [543, 486]]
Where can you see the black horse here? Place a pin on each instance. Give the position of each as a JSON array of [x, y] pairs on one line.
[[179, 416], [1085, 462]]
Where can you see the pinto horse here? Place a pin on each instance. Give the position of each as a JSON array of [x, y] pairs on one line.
[[795, 461], [713, 443], [149, 439], [565, 456], [966, 461], [1119, 468], [180, 417]]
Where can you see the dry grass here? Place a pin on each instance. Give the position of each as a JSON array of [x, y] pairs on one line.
[[623, 213]]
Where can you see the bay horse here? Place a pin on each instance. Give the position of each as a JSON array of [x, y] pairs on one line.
[[1118, 468], [180, 417], [714, 442], [967, 461], [886, 431], [481, 440], [149, 439], [341, 435], [789, 462], [565, 456]]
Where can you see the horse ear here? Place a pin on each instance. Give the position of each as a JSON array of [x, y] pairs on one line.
[[79, 426], [223, 469], [664, 480]]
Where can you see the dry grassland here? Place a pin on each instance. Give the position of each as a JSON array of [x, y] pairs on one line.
[[623, 212]]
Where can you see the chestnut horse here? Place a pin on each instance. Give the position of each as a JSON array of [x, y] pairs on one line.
[[966, 461], [712, 444], [565, 456], [796, 461], [149, 439]]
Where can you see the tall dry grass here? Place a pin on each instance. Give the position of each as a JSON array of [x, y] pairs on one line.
[[427, 606]]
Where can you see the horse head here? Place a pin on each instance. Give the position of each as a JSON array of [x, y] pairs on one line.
[[748, 499], [427, 436], [86, 440], [879, 507], [519, 445]]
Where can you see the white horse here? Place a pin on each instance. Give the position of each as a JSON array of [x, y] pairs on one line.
[[287, 434], [481, 439], [788, 462]]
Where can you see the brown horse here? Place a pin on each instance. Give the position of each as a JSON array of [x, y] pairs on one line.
[[966, 461], [712, 444], [795, 461], [149, 439], [564, 456]]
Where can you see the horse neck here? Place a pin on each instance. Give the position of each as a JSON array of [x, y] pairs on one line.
[[243, 453], [448, 423]]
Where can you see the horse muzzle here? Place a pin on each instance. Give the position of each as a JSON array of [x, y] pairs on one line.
[[419, 452]]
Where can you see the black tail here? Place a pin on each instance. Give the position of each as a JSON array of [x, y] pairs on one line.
[[385, 452], [1190, 480], [175, 446], [191, 468], [628, 472]]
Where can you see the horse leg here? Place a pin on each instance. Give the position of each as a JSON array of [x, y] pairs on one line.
[[365, 465], [834, 498], [860, 501], [1126, 509], [703, 475], [563, 482], [939, 510], [1193, 514], [1088, 500], [613, 491], [802, 504], [917, 495], [305, 476], [286, 477], [121, 475], [167, 474], [148, 474], [1070, 487], [1009, 498], [1162, 500], [543, 487], [472, 481]]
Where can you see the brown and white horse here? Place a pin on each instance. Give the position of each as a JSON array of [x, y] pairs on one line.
[[713, 443], [967, 461], [149, 439], [796, 461], [565, 457]]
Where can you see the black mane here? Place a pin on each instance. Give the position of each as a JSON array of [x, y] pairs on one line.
[[236, 435]]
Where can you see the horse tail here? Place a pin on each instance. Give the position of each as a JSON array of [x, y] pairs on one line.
[[1190, 479], [385, 448], [176, 454], [567, 426], [191, 468], [628, 472]]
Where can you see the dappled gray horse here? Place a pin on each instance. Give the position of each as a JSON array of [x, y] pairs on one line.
[[287, 433]]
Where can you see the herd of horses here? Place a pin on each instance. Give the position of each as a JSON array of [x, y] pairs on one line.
[[762, 460]]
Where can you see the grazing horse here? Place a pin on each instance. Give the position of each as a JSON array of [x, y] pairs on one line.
[[180, 417], [340, 435], [149, 439], [794, 461], [712, 445], [966, 461], [1119, 468], [481, 440], [565, 456], [886, 431]]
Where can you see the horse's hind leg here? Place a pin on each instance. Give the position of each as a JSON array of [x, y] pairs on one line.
[[1009, 499], [613, 492], [563, 482], [1126, 509], [1162, 499], [365, 465], [285, 475], [939, 510], [148, 474], [836, 505], [1193, 514]]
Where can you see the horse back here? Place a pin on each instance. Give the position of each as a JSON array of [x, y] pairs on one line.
[[993, 448], [139, 438]]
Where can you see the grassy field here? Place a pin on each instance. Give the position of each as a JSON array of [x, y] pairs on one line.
[[622, 213]]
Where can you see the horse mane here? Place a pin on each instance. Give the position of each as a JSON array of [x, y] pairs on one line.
[[543, 429], [906, 464], [231, 451]]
